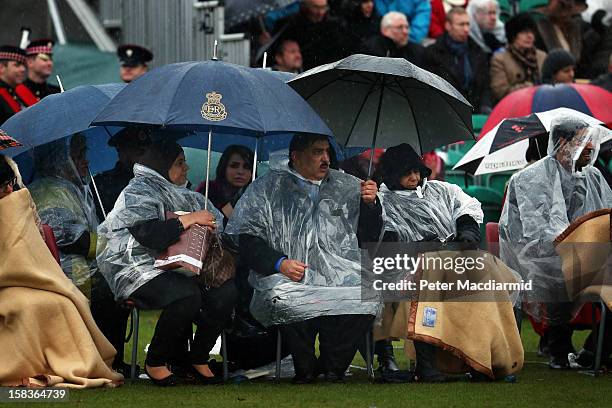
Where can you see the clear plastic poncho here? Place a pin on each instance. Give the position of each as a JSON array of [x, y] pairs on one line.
[[65, 202], [316, 224], [125, 263], [541, 202], [429, 212]]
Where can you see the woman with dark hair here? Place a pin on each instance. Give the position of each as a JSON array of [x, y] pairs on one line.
[[134, 233], [8, 179], [234, 174]]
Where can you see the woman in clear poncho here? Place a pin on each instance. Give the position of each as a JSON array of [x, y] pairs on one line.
[[541, 202], [418, 210], [134, 233], [65, 203]]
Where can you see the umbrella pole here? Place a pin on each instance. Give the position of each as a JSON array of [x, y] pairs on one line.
[[208, 167], [93, 183], [382, 90], [255, 159]]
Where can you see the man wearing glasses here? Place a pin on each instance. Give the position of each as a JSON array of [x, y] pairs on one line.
[[40, 66]]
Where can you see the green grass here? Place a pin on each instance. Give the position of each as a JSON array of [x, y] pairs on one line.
[[537, 386]]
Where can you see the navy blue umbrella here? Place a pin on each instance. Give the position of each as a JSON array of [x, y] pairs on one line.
[[214, 97], [59, 115]]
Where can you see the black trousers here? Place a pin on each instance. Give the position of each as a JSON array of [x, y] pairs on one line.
[[209, 309], [339, 337], [110, 317], [560, 332]]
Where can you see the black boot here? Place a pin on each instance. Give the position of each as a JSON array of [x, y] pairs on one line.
[[426, 370], [386, 358]]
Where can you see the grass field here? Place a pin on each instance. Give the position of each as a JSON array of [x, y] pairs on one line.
[[537, 386]]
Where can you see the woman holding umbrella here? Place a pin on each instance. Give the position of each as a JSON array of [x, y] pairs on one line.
[[134, 233]]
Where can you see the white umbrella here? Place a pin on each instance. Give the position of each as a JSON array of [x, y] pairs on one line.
[[512, 157]]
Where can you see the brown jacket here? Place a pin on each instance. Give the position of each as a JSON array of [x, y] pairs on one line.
[[508, 75]]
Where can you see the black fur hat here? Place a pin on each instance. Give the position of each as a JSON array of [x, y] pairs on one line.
[[519, 23]]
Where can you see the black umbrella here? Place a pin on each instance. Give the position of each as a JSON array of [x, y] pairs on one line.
[[382, 102], [241, 11]]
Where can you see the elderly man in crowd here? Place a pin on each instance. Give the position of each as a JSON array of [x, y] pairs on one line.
[[417, 11], [459, 60], [393, 40], [486, 29], [541, 202], [300, 227]]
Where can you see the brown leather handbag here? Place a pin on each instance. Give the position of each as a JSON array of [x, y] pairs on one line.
[[217, 264]]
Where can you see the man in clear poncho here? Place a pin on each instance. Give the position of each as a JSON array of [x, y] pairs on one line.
[[65, 203], [299, 230], [541, 202]]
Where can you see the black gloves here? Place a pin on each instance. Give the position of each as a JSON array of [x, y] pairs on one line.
[[468, 231]]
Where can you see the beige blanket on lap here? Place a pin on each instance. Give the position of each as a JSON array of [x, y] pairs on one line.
[[47, 333], [479, 334]]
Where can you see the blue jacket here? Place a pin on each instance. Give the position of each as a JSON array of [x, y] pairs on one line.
[[418, 13]]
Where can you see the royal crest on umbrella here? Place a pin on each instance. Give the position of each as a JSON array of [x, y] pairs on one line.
[[213, 109]]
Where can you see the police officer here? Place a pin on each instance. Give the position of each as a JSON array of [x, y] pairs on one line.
[[134, 59], [14, 96], [40, 66]]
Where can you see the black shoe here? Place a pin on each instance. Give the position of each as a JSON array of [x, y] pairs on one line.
[[543, 349], [386, 358], [582, 359], [302, 379], [558, 363], [169, 381], [426, 370], [334, 378]]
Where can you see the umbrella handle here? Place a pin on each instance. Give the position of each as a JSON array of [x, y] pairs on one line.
[[380, 100], [208, 167], [255, 159], [93, 183]]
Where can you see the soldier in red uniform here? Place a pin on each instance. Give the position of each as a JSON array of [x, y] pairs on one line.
[[14, 96], [40, 66]]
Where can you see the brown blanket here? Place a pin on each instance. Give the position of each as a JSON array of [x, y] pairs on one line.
[[479, 334], [47, 333], [585, 250]]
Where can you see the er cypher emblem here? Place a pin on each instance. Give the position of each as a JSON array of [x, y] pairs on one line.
[[213, 109]]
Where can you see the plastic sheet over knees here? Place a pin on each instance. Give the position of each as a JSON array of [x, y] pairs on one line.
[[428, 213], [124, 262], [316, 224], [543, 199]]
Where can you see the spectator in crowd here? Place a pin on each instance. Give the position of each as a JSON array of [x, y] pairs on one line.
[[520, 65], [134, 59], [485, 27], [605, 80], [434, 163], [362, 21], [558, 68], [65, 202], [598, 44], [438, 17], [320, 36], [542, 200], [417, 11], [234, 174], [136, 223], [40, 66], [14, 96], [288, 57], [297, 260], [393, 40], [39, 303], [111, 318], [459, 60], [557, 28]]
